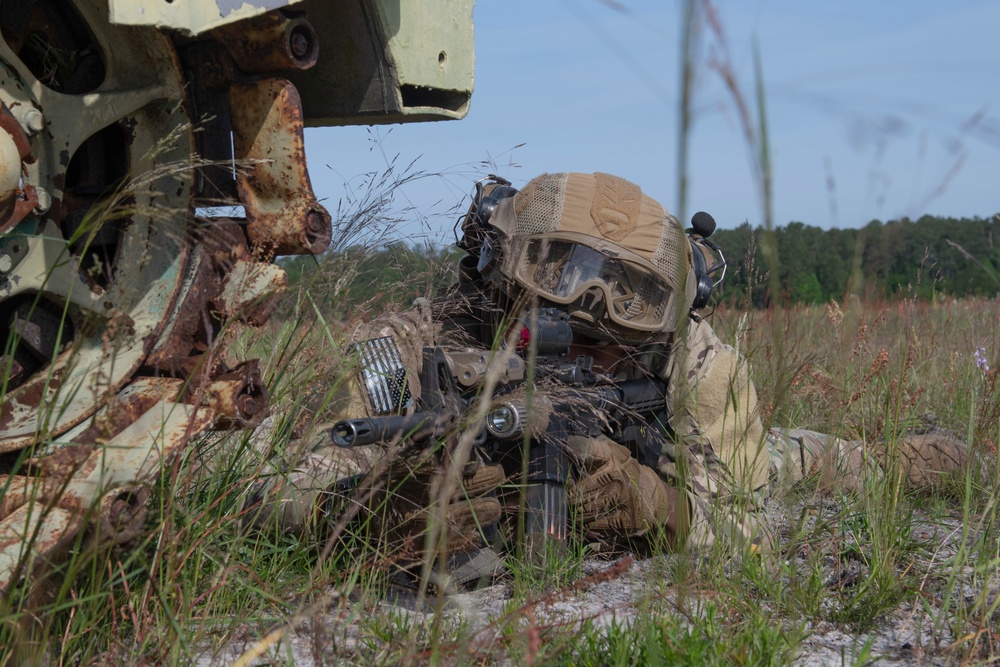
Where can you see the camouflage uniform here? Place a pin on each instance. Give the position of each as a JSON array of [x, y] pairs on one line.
[[733, 466], [722, 459], [729, 465], [307, 494], [713, 475]]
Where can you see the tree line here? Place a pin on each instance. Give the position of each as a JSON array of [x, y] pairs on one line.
[[374, 278], [923, 258], [928, 257]]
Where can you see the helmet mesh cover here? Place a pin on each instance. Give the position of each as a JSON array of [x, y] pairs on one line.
[[539, 207], [607, 208], [671, 255]]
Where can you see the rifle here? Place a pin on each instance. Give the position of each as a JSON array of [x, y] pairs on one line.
[[579, 401]]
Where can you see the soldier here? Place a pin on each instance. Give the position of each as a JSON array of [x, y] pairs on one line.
[[631, 281]]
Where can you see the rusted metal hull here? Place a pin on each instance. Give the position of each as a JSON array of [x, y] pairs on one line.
[[116, 280], [92, 486]]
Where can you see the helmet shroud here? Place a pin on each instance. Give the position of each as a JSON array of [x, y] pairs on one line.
[[613, 218]]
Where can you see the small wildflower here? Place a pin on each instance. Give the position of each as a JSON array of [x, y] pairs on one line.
[[981, 363], [834, 314]]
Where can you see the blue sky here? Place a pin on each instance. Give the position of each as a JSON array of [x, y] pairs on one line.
[[876, 110]]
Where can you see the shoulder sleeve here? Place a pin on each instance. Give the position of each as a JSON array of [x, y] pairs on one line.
[[387, 351], [715, 408]]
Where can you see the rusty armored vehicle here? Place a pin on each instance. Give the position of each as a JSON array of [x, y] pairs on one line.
[[125, 127]]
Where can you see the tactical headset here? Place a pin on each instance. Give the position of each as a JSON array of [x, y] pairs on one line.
[[703, 226], [475, 223]]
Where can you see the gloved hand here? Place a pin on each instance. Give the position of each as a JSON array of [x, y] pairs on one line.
[[294, 499], [389, 502], [617, 497], [403, 503]]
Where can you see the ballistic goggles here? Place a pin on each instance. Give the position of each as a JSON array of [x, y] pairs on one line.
[[561, 268]]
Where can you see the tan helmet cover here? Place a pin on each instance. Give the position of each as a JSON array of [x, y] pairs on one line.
[[608, 209]]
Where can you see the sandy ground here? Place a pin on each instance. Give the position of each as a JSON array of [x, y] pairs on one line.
[[616, 591]]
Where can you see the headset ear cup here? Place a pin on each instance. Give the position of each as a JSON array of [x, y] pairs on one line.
[[704, 281], [702, 292], [475, 223], [489, 202]]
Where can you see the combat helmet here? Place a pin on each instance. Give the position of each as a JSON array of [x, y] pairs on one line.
[[597, 247]]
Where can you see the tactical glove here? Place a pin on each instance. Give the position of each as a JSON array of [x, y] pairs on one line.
[[401, 506], [295, 501], [617, 497]]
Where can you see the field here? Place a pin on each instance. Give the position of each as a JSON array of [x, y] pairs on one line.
[[888, 575], [885, 575]]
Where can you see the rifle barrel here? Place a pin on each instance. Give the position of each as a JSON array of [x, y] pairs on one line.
[[372, 430]]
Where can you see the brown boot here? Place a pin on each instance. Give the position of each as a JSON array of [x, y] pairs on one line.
[[931, 460]]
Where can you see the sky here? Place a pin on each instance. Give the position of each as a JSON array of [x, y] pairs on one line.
[[874, 110]]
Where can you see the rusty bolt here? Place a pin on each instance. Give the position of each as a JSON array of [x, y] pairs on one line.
[[247, 406], [314, 222], [44, 201], [299, 42]]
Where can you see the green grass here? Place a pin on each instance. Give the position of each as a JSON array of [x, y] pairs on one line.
[[199, 583]]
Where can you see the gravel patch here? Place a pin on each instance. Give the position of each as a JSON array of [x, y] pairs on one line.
[[617, 591]]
